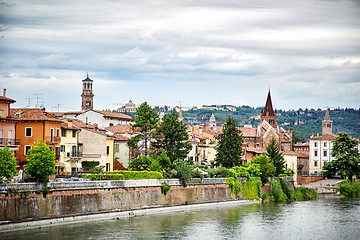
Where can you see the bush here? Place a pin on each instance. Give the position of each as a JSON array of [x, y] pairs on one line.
[[349, 189], [155, 166], [184, 171], [7, 164], [141, 163], [124, 175], [252, 188], [88, 165], [241, 172], [165, 188], [304, 194], [218, 172], [287, 188], [235, 187], [277, 192]]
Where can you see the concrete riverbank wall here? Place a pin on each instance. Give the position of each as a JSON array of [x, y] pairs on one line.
[[35, 201]]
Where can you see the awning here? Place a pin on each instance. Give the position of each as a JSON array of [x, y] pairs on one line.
[[65, 165], [78, 165]]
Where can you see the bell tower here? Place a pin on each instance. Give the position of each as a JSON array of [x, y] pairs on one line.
[[87, 94], [268, 113], [326, 124]]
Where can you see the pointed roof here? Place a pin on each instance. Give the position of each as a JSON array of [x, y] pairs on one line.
[[87, 78], [327, 116], [268, 106]]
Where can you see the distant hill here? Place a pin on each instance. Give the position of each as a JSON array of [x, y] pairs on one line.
[[305, 122]]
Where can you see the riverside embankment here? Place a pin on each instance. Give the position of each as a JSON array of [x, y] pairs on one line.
[[29, 202]]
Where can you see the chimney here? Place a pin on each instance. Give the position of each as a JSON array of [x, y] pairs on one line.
[[4, 92]]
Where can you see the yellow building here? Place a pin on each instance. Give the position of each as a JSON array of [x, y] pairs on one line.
[[109, 160]]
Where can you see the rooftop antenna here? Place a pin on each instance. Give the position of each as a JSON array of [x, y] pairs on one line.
[[58, 107], [37, 99], [29, 102]]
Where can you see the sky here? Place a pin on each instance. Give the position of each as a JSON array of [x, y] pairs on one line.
[[307, 52]]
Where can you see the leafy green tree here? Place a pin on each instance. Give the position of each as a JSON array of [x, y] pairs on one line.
[[141, 163], [295, 138], [266, 167], [184, 171], [347, 161], [41, 161], [172, 138], [7, 164], [276, 157], [146, 119], [229, 147]]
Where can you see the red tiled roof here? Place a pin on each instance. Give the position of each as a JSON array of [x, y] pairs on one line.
[[32, 114], [66, 125], [123, 128], [114, 115], [325, 137], [248, 132], [121, 137], [5, 99], [255, 150]]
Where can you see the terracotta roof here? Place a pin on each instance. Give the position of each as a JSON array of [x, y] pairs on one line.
[[302, 155], [121, 137], [248, 132], [114, 115], [325, 137], [68, 125], [123, 128], [327, 116], [5, 99], [32, 114], [300, 144], [255, 150]]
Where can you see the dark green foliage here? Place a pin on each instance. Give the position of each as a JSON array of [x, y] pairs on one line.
[[88, 165], [7, 164], [277, 193], [349, 189], [252, 188], [146, 119], [276, 157], [229, 147], [165, 188], [235, 186], [164, 161], [184, 171], [218, 172], [287, 188], [295, 138], [41, 162], [171, 137], [124, 175], [141, 163], [347, 161], [266, 167], [304, 194], [241, 172]]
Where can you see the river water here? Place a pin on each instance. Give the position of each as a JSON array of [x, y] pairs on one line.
[[321, 219]]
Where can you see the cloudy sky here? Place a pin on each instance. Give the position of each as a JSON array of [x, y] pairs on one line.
[[193, 51]]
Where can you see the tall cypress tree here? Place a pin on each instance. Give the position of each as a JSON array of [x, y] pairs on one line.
[[171, 137], [229, 147], [146, 120], [277, 158]]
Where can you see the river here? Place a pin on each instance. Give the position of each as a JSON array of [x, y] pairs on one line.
[[328, 219]]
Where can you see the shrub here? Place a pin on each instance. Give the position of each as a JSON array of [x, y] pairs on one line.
[[241, 172], [235, 186], [252, 188], [124, 175], [349, 189], [304, 194], [277, 192], [7, 164], [141, 163], [287, 188], [218, 172], [155, 166], [165, 188], [184, 171], [88, 165]]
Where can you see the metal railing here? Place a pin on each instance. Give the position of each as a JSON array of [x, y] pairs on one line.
[[52, 140], [9, 141]]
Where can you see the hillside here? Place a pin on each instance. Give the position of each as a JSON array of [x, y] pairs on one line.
[[304, 122]]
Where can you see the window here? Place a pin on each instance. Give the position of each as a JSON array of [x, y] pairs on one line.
[[51, 134], [315, 153], [63, 132], [108, 167], [57, 132], [315, 163], [107, 150], [325, 153], [324, 144], [28, 132], [27, 148], [2, 113], [62, 148], [111, 124], [73, 133], [315, 144]]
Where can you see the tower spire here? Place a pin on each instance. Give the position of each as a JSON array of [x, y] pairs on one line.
[[268, 114]]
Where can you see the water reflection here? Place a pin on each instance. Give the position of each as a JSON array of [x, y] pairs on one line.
[[322, 219]]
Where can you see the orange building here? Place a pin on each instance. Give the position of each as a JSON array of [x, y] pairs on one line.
[[35, 124]]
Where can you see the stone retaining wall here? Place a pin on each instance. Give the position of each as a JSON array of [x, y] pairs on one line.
[[78, 198]]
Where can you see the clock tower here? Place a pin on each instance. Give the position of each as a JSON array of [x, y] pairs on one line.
[[87, 94]]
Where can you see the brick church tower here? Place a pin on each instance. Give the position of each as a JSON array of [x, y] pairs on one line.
[[268, 113], [326, 124], [87, 95]]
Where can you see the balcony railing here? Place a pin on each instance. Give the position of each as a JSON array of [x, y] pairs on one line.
[[74, 154], [52, 140], [9, 141]]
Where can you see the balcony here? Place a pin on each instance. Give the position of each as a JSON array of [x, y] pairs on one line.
[[77, 154], [9, 142], [51, 140]]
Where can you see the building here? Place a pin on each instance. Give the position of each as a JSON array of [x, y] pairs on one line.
[[320, 152], [33, 125], [129, 107], [87, 95], [70, 149], [7, 125], [326, 124]]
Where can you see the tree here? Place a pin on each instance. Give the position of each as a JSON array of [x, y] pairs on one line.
[[41, 161], [7, 164], [347, 161], [295, 138], [229, 147], [265, 166], [172, 138], [146, 120], [276, 157]]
